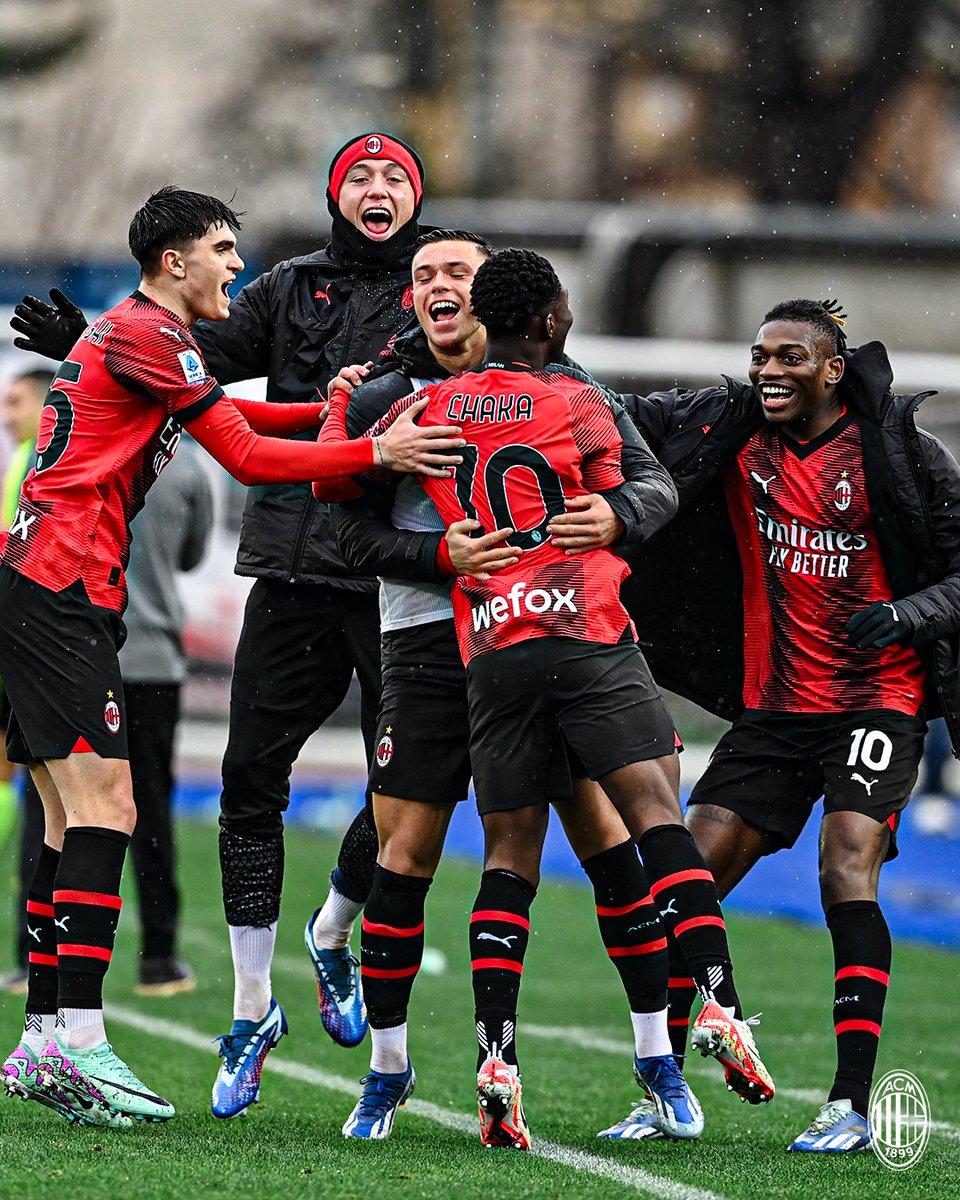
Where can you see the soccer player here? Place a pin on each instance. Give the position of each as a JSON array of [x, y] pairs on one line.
[[422, 767], [552, 665], [111, 423], [827, 526]]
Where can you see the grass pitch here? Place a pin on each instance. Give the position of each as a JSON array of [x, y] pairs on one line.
[[575, 1048]]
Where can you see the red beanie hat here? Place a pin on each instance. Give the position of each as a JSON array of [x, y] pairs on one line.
[[376, 145]]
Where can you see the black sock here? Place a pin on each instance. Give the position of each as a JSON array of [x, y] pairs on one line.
[[499, 931], [42, 937], [862, 955], [630, 925], [680, 998], [686, 897], [86, 899], [391, 944]]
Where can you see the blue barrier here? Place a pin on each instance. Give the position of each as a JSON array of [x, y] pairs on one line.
[[920, 890]]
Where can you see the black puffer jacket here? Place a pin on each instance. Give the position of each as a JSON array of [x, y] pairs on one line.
[[298, 324], [686, 589], [370, 543]]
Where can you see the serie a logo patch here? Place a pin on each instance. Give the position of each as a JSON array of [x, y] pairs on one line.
[[193, 369]]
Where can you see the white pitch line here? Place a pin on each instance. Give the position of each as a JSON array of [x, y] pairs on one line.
[[577, 1160]]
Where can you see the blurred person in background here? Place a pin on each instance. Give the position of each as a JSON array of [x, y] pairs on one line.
[[20, 413], [936, 806]]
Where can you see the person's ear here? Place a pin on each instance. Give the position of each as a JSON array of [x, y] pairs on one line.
[[172, 262]]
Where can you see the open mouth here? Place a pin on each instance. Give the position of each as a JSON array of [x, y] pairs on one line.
[[775, 396], [377, 220], [443, 311]]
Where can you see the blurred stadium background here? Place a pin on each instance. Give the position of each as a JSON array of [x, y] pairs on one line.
[[685, 166]]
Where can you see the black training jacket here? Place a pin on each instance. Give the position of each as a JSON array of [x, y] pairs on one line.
[[686, 591], [371, 544], [298, 324]]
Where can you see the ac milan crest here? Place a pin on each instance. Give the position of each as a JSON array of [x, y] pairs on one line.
[[842, 494], [373, 145], [111, 715], [384, 750]]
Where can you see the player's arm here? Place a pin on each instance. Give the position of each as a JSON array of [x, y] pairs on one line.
[[623, 515], [253, 459], [280, 420], [372, 545], [934, 611]]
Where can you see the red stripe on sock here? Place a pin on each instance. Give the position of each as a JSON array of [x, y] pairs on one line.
[[680, 877], [646, 948], [866, 972], [75, 950], [42, 910], [495, 964], [696, 923], [391, 930], [494, 914], [857, 1027], [98, 898], [42, 960], [623, 909], [383, 973], [678, 1021], [681, 983]]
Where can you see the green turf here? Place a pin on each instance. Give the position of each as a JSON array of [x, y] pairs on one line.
[[576, 1054]]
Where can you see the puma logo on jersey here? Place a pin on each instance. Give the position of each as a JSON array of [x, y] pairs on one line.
[[492, 937], [174, 333], [518, 600], [21, 524], [764, 483], [867, 783]]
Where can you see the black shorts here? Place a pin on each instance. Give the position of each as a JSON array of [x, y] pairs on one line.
[[772, 768], [422, 747], [58, 661], [531, 701]]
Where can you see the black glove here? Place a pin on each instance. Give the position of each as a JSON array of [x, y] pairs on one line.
[[879, 624], [51, 332]]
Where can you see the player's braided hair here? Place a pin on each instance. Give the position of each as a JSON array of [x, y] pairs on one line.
[[172, 218], [510, 288], [432, 236], [826, 316]]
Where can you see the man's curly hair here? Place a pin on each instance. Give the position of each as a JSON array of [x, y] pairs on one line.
[[510, 288]]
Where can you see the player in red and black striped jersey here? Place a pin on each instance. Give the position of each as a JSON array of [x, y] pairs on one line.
[[844, 519], [552, 668], [112, 421]]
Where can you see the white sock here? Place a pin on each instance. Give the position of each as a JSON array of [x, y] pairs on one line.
[[252, 949], [81, 1028], [650, 1036], [38, 1029], [334, 922], [389, 1053]]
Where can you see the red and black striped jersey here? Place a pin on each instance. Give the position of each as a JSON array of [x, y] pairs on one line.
[[533, 439], [810, 559], [111, 423]]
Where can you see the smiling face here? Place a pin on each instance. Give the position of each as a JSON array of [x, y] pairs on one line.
[[442, 277], [794, 374], [210, 264], [377, 197]]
